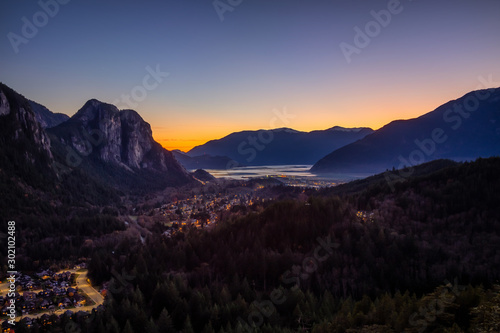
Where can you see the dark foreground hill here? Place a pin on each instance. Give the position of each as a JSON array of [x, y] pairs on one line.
[[373, 260]]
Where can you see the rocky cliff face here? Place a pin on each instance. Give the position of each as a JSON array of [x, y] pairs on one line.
[[23, 142], [137, 141], [96, 127], [102, 134], [4, 104]]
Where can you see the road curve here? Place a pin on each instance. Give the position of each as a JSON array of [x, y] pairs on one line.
[[83, 285]]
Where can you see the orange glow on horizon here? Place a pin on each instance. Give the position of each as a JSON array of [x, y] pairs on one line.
[[199, 135], [172, 139], [349, 113]]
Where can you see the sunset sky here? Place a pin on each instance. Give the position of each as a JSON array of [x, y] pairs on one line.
[[238, 66]]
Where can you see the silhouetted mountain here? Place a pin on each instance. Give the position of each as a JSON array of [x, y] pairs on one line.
[[118, 147], [280, 146], [463, 129], [202, 175], [204, 161], [45, 117]]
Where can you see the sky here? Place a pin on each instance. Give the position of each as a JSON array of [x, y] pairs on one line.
[[199, 70]]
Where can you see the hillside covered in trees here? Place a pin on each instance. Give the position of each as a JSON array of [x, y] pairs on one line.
[[417, 255]]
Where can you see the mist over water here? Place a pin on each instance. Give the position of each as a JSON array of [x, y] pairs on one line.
[[299, 171]]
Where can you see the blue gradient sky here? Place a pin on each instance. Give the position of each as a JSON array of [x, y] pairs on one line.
[[265, 56]]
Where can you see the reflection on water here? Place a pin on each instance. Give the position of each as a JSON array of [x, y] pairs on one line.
[[262, 171], [299, 171]]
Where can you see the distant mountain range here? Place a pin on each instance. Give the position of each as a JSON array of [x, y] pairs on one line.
[[462, 129], [283, 146], [116, 147]]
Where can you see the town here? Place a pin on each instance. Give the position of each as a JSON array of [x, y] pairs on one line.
[[204, 209], [45, 294]]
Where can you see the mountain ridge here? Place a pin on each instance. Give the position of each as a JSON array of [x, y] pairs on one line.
[[456, 130], [118, 145], [45, 117], [279, 146], [24, 144], [113, 147]]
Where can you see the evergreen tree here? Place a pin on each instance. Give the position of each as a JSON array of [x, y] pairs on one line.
[[128, 328], [164, 323]]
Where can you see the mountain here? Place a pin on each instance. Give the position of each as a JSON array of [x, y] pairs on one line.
[[462, 129], [30, 181], [117, 147], [202, 175], [45, 117], [85, 162], [24, 145], [280, 146], [204, 161]]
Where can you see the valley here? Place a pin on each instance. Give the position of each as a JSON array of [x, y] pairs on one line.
[[239, 249], [250, 166]]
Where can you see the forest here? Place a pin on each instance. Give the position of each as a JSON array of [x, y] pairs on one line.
[[417, 255]]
